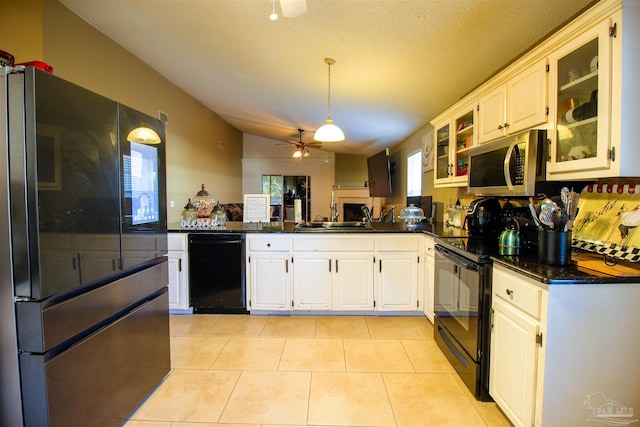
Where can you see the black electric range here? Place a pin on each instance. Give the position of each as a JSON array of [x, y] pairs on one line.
[[476, 248]]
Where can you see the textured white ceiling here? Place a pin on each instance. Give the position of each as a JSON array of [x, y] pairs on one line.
[[399, 63]]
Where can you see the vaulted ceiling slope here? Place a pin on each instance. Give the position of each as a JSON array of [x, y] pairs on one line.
[[399, 63]]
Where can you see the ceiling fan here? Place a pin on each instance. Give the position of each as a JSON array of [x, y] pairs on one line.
[[302, 148]]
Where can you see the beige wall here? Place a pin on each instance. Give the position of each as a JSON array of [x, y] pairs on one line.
[[351, 170], [49, 32]]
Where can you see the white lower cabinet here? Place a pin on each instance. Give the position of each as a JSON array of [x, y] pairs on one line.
[[516, 343], [396, 272], [313, 281], [353, 281], [563, 354], [396, 281], [178, 266], [270, 278], [269, 271], [514, 353], [334, 272], [429, 278]]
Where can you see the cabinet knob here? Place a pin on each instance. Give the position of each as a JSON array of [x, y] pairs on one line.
[[509, 292], [268, 245], [500, 127], [506, 125]]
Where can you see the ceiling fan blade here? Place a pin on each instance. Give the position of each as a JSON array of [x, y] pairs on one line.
[[293, 8]]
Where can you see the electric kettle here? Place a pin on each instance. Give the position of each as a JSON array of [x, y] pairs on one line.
[[509, 240]]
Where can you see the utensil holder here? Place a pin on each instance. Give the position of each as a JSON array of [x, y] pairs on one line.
[[554, 247]]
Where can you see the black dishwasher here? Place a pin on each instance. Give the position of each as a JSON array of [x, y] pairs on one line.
[[216, 273]]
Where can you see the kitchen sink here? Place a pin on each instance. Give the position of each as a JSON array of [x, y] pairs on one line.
[[333, 226]]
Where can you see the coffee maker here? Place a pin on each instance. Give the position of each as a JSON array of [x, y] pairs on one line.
[[483, 217]]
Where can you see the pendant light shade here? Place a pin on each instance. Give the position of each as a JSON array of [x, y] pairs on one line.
[[144, 135], [329, 132]]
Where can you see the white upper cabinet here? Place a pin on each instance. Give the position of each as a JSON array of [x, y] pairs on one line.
[[518, 104], [581, 102], [594, 100]]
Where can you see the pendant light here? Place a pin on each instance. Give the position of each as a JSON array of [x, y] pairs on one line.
[[329, 132], [144, 135], [274, 15]]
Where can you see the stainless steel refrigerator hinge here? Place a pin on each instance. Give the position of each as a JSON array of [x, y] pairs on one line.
[[539, 339]]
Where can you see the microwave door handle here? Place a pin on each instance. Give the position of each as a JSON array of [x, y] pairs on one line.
[[507, 160]]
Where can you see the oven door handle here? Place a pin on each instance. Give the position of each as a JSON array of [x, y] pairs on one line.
[[470, 266], [456, 259]]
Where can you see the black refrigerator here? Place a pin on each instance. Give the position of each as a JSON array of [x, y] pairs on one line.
[[84, 326]]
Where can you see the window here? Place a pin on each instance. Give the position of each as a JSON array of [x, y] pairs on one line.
[[414, 174]]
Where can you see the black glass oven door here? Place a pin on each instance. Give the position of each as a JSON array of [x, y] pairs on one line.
[[457, 296]]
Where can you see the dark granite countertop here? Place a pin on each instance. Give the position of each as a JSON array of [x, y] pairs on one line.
[[288, 227], [528, 265]]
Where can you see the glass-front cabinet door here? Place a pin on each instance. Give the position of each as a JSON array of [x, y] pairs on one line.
[[454, 138], [443, 166], [580, 96], [464, 141]]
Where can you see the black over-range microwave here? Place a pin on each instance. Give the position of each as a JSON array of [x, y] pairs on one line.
[[509, 166]]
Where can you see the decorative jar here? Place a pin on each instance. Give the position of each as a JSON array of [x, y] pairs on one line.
[[203, 203]]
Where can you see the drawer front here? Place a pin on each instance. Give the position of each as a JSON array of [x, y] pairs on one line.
[[269, 243], [518, 292], [177, 241], [333, 244], [396, 243], [428, 246]]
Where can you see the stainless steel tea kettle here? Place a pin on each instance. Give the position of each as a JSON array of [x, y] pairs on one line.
[[509, 240]]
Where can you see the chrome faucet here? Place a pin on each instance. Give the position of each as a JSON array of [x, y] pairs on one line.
[[367, 213], [334, 212]]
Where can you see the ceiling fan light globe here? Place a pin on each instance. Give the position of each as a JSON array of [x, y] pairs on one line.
[[329, 133], [297, 154]]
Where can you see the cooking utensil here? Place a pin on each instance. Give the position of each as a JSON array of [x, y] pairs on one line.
[[534, 214], [546, 202], [546, 216], [559, 220]]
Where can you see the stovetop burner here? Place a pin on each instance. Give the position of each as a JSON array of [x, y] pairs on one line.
[[479, 249]]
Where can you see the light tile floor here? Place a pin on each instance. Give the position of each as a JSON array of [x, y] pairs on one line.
[[273, 371]]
